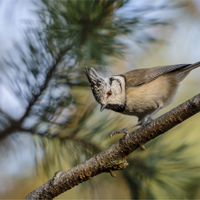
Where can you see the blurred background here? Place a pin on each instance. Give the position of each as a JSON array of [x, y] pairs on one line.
[[49, 120]]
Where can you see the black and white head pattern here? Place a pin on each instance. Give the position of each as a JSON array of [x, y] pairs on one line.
[[108, 91]]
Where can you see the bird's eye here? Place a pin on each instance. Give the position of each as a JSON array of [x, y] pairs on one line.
[[109, 93]]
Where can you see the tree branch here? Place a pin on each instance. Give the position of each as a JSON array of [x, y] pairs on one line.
[[15, 125], [114, 158]]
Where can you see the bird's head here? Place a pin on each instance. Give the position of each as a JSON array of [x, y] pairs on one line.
[[109, 92]]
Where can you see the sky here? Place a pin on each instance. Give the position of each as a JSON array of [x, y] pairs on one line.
[[13, 16]]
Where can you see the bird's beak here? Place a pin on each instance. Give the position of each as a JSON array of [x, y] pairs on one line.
[[102, 107]]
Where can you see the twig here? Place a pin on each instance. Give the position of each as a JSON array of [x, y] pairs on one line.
[[15, 125]]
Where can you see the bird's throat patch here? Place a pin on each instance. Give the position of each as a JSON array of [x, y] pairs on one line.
[[116, 107]]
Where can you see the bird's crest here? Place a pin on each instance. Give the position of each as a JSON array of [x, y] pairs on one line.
[[97, 83]]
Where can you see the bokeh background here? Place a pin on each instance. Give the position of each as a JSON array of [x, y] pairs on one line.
[[49, 120]]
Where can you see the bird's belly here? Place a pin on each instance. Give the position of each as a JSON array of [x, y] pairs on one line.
[[143, 100], [140, 108]]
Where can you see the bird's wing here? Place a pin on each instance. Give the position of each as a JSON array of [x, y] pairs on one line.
[[139, 77]]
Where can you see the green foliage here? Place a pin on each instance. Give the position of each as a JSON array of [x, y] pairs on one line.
[[91, 28], [49, 70], [46, 75]]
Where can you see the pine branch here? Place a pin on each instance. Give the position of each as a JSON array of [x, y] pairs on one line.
[[114, 158], [15, 125], [85, 143]]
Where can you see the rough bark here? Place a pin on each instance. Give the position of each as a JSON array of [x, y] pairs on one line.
[[114, 158]]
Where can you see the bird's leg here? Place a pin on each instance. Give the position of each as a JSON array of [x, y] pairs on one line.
[[141, 121], [124, 130], [150, 117]]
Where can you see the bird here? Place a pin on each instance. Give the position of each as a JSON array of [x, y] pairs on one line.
[[140, 92]]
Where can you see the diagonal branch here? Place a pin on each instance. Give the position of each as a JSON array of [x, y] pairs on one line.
[[15, 125], [114, 158]]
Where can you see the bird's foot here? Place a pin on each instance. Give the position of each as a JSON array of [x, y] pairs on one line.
[[146, 122], [124, 130]]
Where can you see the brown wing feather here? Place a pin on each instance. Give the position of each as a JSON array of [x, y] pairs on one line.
[[139, 77]]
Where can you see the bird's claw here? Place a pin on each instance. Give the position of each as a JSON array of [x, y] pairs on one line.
[[118, 132], [147, 122]]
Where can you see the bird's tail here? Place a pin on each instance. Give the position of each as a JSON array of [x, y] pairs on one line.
[[186, 70], [190, 67]]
